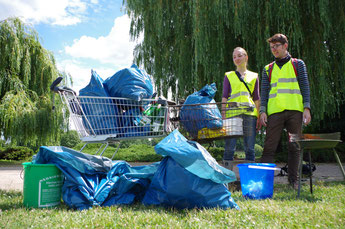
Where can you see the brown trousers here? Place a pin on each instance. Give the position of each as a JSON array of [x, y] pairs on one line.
[[292, 121]]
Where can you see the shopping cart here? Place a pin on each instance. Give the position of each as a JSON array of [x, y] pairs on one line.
[[111, 119], [204, 123]]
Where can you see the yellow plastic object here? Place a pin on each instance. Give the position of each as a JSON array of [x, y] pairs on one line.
[[208, 133]]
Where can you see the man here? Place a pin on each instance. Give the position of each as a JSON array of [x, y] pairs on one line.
[[285, 102]]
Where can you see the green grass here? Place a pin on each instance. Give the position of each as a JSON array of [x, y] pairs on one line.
[[324, 209]]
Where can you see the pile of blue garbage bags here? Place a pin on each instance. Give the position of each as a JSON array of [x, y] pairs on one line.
[[106, 116], [187, 177]]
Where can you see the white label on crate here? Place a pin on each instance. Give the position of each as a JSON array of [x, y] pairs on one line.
[[49, 191]]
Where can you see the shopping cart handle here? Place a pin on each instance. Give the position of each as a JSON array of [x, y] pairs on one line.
[[53, 86]]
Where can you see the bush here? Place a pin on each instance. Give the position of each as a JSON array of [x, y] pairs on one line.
[[2, 143], [216, 152], [258, 150], [137, 153], [70, 139], [132, 153], [16, 153]]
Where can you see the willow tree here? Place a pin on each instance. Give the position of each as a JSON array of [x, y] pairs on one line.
[[26, 72], [191, 42]]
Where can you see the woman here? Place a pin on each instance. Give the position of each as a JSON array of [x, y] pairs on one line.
[[241, 86]]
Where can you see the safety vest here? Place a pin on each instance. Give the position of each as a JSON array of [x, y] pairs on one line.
[[285, 93], [240, 94]]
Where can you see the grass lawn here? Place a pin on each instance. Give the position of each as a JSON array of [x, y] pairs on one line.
[[324, 209]]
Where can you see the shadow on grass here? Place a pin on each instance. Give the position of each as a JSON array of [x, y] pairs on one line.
[[11, 200]]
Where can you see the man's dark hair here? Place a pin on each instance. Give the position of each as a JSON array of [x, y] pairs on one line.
[[281, 38]]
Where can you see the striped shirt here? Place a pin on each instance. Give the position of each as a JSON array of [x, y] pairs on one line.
[[302, 78]]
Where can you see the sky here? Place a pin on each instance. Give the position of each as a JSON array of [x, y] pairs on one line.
[[82, 34]]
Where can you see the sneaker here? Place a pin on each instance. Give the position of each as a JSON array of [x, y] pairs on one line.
[[228, 164]]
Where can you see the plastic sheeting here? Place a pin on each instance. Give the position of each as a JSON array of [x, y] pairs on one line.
[[94, 180], [100, 114], [194, 158], [174, 186], [132, 83], [194, 118], [95, 87], [188, 177]]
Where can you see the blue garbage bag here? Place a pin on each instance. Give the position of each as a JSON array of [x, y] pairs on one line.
[[188, 177], [196, 117], [101, 114], [174, 186], [95, 87], [132, 83], [92, 180], [193, 157]]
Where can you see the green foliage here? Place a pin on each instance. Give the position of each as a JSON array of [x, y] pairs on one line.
[[16, 153], [136, 153], [26, 72], [131, 153], [188, 44], [258, 150], [70, 139], [2, 143], [216, 152], [127, 143]]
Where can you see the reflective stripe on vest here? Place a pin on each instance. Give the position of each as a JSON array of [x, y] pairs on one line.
[[240, 94], [285, 93]]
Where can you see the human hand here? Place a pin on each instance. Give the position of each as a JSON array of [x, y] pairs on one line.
[[258, 124], [263, 119], [223, 115], [306, 116]]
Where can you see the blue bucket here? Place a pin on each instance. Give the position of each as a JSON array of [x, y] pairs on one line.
[[257, 180]]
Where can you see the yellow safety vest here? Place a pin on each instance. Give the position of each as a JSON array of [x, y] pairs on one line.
[[285, 93], [240, 94]]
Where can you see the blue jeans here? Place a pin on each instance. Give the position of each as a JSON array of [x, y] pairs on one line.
[[249, 131]]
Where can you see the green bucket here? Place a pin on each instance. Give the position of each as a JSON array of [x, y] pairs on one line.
[[42, 185]]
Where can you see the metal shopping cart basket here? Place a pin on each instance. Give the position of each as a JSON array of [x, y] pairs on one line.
[[112, 119], [204, 122]]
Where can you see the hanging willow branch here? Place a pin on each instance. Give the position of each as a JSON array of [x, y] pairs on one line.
[[191, 42], [26, 71]]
